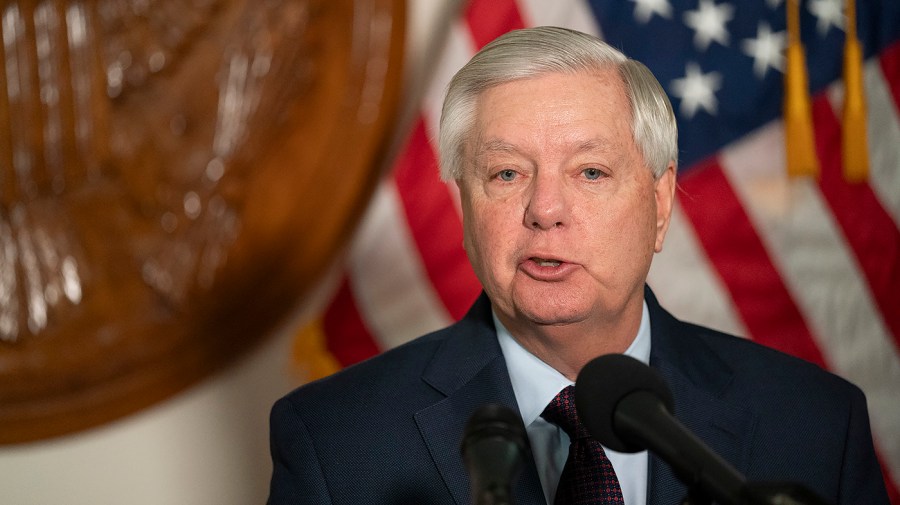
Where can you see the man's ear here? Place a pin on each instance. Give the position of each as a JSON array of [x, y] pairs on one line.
[[665, 202]]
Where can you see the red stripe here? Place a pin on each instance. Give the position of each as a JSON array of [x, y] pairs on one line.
[[488, 19], [348, 338], [890, 66], [868, 229], [892, 490], [737, 253], [434, 224]]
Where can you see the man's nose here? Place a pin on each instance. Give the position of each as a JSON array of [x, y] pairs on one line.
[[547, 205]]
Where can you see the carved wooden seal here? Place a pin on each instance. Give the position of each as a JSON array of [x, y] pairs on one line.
[[174, 178]]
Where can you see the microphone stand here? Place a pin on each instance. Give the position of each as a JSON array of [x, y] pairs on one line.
[[705, 473], [493, 448], [696, 496]]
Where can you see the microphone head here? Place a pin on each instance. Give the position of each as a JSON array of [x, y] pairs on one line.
[[603, 383], [494, 421], [493, 449]]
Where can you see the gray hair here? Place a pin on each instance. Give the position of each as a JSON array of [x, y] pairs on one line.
[[531, 52]]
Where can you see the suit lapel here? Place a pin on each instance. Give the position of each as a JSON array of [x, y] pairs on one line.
[[698, 379], [470, 370]]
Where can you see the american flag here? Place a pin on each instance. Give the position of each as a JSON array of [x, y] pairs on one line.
[[807, 265]]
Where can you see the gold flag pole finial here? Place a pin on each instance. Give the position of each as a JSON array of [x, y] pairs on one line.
[[798, 128], [854, 134]]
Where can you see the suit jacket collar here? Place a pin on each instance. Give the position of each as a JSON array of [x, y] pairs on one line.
[[470, 370]]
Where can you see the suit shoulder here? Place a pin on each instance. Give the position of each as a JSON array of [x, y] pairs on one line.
[[756, 363], [396, 369], [401, 368]]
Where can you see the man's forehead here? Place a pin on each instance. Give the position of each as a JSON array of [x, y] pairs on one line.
[[492, 145], [598, 93]]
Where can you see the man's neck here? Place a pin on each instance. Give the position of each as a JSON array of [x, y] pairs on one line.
[[567, 348]]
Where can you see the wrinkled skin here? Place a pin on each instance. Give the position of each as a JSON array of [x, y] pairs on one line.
[[561, 215]]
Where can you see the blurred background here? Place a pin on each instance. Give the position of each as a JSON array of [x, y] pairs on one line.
[[206, 203]]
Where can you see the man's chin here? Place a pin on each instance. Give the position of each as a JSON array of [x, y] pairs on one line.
[[546, 314]]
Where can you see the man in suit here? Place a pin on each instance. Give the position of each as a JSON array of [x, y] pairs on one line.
[[565, 153]]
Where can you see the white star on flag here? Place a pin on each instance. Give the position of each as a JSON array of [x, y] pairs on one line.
[[645, 9], [828, 13], [697, 90], [708, 22], [767, 50]]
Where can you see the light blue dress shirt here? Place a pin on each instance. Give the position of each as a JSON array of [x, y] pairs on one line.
[[535, 383]]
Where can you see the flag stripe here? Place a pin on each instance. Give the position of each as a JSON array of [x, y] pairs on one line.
[[349, 339], [705, 298], [575, 14], [890, 482], [869, 231], [488, 19], [884, 137], [430, 213], [893, 489], [456, 52], [732, 244], [389, 281], [890, 65]]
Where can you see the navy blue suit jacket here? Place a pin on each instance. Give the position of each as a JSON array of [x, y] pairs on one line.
[[388, 430]]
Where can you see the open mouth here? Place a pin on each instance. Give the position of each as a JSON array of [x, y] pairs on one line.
[[547, 269], [546, 262]]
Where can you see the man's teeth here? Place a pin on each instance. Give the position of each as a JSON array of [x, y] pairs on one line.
[[547, 263]]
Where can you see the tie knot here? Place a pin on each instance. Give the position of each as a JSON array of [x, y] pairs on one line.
[[561, 412]]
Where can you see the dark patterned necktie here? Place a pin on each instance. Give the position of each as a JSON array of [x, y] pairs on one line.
[[588, 477]]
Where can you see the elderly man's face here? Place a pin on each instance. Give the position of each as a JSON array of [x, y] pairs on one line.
[[561, 216]]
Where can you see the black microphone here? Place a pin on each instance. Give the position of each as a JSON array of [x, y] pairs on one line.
[[493, 448], [626, 405]]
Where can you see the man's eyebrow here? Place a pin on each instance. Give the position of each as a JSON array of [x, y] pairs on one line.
[[495, 145], [594, 144]]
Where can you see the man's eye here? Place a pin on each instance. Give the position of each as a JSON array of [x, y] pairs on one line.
[[592, 173], [506, 175]]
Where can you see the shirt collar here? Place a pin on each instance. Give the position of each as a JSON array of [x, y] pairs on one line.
[[535, 383]]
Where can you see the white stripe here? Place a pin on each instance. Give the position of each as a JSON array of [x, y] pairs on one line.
[[575, 14], [822, 275], [884, 140], [392, 290], [458, 50], [456, 53], [686, 283], [883, 130]]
